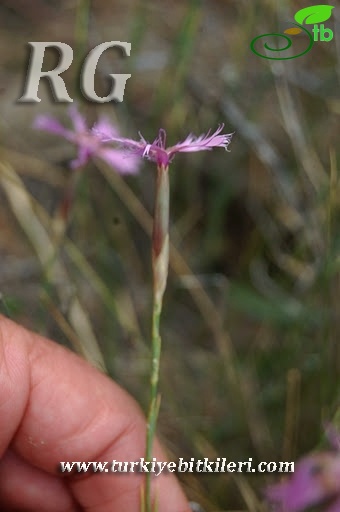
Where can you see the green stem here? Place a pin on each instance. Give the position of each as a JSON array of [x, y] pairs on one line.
[[160, 264], [154, 397]]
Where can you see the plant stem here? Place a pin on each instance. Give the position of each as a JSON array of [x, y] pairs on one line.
[[160, 264], [154, 397]]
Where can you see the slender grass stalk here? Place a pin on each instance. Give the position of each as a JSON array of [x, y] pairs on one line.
[[160, 264], [81, 32], [172, 83], [82, 26], [154, 399]]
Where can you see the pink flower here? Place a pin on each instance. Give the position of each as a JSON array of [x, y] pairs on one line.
[[316, 479], [89, 144], [157, 152]]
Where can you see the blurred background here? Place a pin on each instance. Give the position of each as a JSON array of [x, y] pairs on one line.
[[251, 361]]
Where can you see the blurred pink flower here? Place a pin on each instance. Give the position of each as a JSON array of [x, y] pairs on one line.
[[89, 144], [316, 479], [157, 152]]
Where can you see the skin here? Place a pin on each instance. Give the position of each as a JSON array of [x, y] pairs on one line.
[[56, 407]]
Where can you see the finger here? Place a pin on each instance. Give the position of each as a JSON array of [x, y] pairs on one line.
[[58, 408], [23, 487]]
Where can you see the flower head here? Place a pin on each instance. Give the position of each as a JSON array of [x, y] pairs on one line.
[[157, 151], [89, 144], [315, 480]]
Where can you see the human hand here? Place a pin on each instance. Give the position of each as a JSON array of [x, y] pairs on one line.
[[55, 407]]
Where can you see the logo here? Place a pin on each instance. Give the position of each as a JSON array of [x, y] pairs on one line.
[[87, 73], [314, 15]]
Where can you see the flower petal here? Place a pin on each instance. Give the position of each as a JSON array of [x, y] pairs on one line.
[[105, 127], [203, 143], [118, 159], [82, 157], [315, 479], [158, 153], [91, 142], [52, 125], [77, 119], [123, 142]]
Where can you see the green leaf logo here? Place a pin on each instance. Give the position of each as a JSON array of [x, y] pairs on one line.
[[314, 14]]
